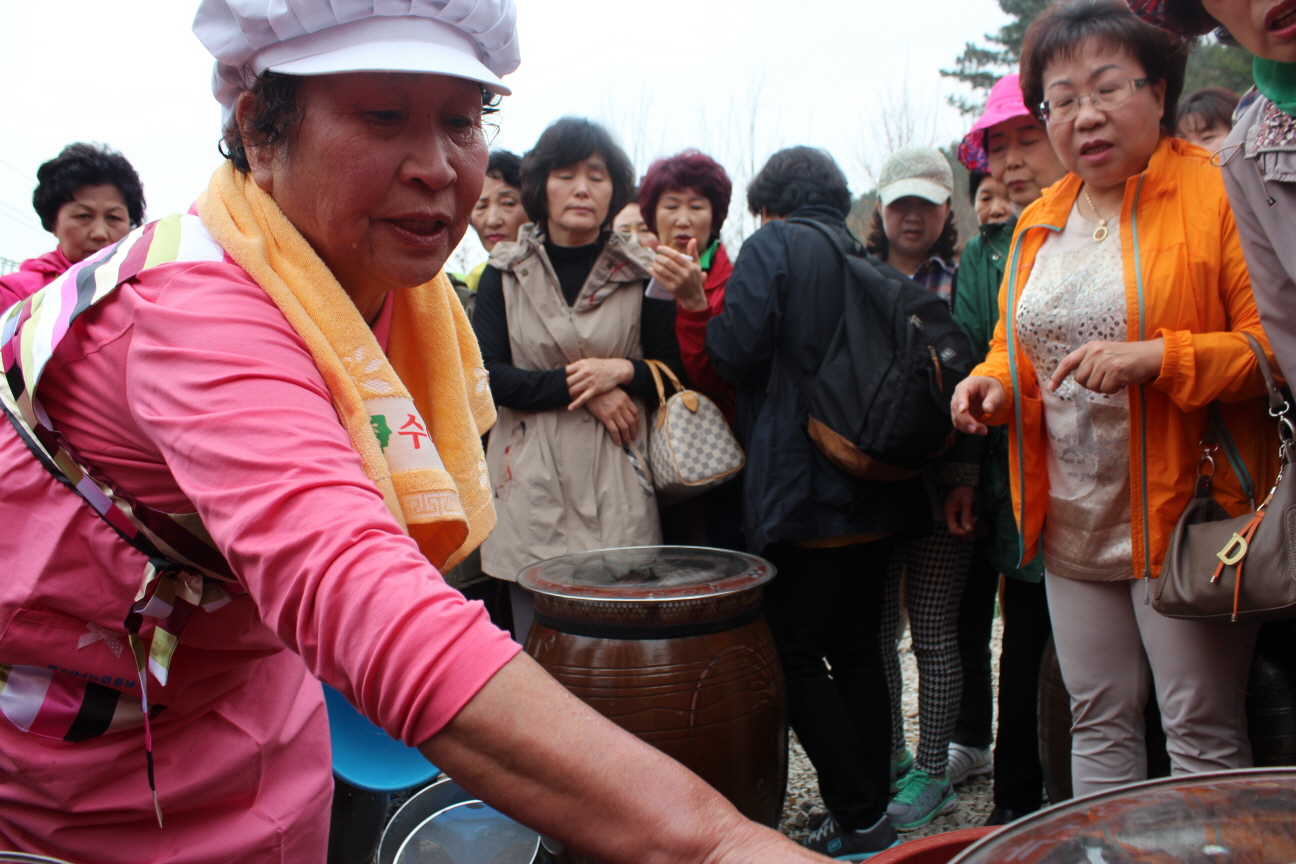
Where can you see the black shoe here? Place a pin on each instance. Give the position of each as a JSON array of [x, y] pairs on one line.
[[832, 840], [1004, 815]]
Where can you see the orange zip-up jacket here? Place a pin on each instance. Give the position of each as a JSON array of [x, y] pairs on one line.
[[1185, 282]]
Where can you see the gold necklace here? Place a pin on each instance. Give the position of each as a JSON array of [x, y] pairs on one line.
[[1100, 233]]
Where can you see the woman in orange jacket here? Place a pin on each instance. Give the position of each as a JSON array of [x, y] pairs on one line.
[[1124, 315]]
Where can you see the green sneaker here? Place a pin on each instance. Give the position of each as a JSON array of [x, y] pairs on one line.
[[901, 762], [921, 799]]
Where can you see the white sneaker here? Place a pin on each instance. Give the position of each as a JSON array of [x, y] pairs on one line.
[[965, 762]]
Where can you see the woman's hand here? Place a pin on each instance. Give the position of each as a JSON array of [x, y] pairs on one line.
[[618, 412], [681, 275], [959, 518], [590, 377], [974, 398], [1107, 367]]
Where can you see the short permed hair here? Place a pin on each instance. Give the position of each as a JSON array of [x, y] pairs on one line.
[[690, 169], [1214, 105], [1064, 26], [565, 143], [505, 166], [798, 177], [277, 111], [85, 165]]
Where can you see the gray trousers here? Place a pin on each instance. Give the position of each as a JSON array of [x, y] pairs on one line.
[[1112, 645]]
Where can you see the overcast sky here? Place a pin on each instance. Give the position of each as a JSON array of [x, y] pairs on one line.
[[736, 78]]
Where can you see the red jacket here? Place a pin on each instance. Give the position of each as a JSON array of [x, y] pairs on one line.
[[691, 330], [31, 276]]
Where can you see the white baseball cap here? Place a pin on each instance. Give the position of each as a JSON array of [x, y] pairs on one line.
[[920, 171], [472, 39]]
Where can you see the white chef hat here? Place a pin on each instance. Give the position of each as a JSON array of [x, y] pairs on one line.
[[472, 39]]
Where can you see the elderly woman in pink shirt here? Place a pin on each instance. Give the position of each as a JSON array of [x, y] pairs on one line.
[[88, 197], [242, 442]]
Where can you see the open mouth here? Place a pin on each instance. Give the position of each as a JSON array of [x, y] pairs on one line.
[[1287, 19], [420, 232], [1095, 148]]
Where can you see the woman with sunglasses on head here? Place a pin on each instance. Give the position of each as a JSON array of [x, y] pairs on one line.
[[1125, 313]]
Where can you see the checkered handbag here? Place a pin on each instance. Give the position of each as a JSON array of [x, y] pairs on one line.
[[690, 446]]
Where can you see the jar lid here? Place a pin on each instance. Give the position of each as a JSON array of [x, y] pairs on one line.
[[1241, 815], [647, 573]]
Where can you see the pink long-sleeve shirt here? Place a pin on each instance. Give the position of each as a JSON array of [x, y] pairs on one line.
[[190, 389]]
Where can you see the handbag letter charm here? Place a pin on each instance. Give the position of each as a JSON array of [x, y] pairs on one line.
[[1233, 552]]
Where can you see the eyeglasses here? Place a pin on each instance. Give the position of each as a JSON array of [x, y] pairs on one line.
[[1108, 97]]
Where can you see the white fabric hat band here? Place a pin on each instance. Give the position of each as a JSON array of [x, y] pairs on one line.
[[916, 186], [381, 44]]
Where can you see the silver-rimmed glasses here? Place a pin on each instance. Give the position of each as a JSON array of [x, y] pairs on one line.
[[1109, 96]]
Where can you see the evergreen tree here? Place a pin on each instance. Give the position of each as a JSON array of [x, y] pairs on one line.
[[980, 66]]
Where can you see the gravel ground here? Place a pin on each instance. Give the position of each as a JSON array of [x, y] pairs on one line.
[[975, 802]]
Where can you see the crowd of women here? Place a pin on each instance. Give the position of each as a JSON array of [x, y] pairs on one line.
[[1130, 245]]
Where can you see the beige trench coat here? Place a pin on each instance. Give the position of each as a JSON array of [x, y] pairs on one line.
[[561, 485]]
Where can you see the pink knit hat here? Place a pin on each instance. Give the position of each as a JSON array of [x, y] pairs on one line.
[[1005, 103]]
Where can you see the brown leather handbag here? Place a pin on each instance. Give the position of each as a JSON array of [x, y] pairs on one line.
[[1239, 569]]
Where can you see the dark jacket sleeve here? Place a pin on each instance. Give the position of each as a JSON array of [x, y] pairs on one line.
[[657, 336], [741, 339], [511, 387], [976, 311]]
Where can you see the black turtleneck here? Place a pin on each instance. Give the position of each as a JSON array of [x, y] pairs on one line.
[[528, 390]]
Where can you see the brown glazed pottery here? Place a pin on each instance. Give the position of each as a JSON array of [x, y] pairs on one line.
[[668, 643]]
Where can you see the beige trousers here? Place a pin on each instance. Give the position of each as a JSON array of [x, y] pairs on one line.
[[1112, 645]]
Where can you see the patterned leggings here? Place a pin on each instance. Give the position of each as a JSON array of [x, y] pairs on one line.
[[934, 568]]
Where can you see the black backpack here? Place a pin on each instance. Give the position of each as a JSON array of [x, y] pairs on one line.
[[878, 405]]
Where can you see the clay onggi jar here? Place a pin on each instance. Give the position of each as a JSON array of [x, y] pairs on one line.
[[669, 643]]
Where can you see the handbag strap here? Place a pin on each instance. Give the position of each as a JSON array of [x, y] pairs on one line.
[[657, 367], [1278, 405]]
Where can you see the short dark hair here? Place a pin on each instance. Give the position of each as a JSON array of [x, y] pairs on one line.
[[566, 142], [1063, 26], [1214, 105], [974, 184], [85, 165], [878, 244], [277, 111], [506, 167], [798, 177], [690, 169]]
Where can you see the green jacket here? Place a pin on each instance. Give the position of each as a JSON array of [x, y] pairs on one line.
[[976, 311]]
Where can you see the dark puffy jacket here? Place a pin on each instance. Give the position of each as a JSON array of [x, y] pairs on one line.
[[782, 305]]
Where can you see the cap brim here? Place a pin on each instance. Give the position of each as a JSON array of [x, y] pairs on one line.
[[424, 57], [915, 186]]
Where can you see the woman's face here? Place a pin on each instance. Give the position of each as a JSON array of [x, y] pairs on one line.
[[498, 214], [1266, 28], [578, 198], [95, 217], [381, 175], [913, 225], [684, 215], [992, 204], [1104, 147], [630, 221], [1210, 137], [1022, 159]]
